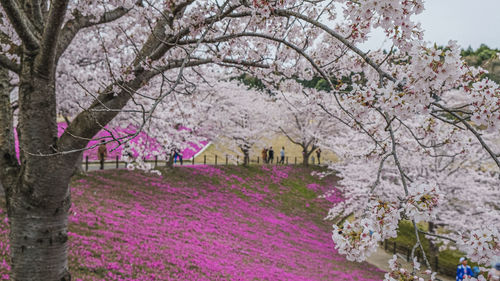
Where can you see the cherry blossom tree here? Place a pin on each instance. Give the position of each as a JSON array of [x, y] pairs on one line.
[[302, 121], [107, 63], [240, 116]]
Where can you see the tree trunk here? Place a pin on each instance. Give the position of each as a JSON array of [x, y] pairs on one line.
[[305, 156], [39, 200], [307, 153], [246, 154], [246, 158], [79, 166], [305, 159], [38, 233], [170, 161]]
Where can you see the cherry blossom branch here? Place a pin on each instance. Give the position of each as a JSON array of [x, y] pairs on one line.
[[9, 64], [424, 255], [379, 172], [473, 131], [368, 60], [405, 186], [72, 27], [36, 10], [46, 59], [21, 23], [437, 235]]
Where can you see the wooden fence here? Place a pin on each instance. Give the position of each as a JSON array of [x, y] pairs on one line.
[[201, 160], [405, 252]]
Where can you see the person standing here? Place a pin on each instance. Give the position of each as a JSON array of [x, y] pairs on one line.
[[177, 155], [271, 155], [318, 155], [464, 272], [102, 153], [282, 155], [264, 155]]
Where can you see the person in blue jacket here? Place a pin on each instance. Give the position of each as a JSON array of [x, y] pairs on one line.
[[463, 270]]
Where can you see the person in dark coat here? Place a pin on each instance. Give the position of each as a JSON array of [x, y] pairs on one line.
[[102, 153], [270, 159], [318, 155]]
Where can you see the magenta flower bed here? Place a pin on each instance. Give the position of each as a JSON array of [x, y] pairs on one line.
[[115, 150], [202, 223]]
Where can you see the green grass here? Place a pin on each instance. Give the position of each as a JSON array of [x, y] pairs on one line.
[[448, 259]]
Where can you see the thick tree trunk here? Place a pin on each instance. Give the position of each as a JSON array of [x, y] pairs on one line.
[[38, 235], [306, 154], [246, 158], [38, 202], [305, 159]]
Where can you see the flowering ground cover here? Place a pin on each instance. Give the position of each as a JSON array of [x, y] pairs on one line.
[[202, 223], [142, 139]]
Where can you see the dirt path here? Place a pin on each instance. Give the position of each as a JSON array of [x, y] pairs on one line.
[[380, 259]]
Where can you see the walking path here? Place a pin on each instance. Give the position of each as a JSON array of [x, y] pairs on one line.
[[380, 259]]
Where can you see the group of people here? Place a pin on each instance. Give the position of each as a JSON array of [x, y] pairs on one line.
[[465, 272], [268, 155]]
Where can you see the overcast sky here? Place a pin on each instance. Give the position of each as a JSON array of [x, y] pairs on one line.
[[470, 22]]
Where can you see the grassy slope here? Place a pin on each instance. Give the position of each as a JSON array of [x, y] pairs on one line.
[[203, 223]]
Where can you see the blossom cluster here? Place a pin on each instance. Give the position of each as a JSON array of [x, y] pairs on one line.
[[421, 203], [398, 273], [481, 244]]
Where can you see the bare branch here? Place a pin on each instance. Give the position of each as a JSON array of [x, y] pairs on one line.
[[72, 27], [473, 131], [21, 24], [44, 63], [9, 64]]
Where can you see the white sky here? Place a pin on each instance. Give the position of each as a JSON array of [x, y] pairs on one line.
[[470, 22]]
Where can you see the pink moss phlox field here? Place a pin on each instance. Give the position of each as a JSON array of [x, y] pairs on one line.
[[200, 223], [114, 150]]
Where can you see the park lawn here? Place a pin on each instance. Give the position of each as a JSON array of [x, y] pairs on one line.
[[203, 223]]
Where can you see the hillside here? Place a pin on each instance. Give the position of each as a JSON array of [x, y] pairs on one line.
[[203, 223]]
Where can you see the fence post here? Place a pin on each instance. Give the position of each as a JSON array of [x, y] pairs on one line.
[[313, 160], [277, 161], [287, 160], [257, 159], [86, 163], [117, 161], [295, 160], [215, 159], [192, 160], [226, 160], [408, 254], [237, 159], [204, 159], [156, 161], [394, 247], [385, 241]]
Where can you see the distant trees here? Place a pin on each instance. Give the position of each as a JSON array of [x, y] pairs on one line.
[[480, 55]]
